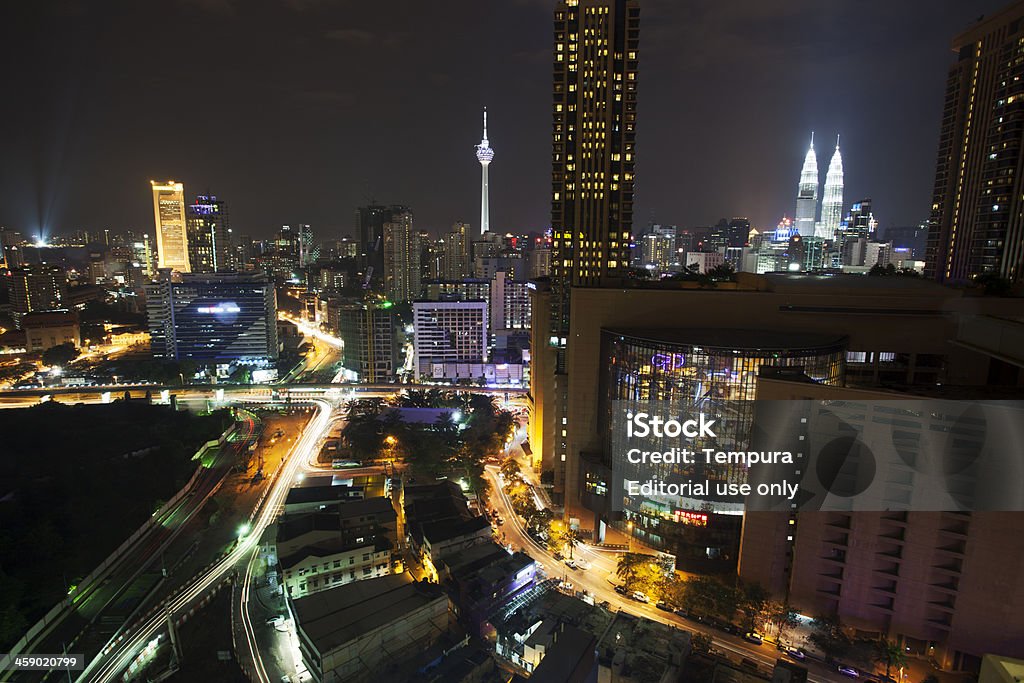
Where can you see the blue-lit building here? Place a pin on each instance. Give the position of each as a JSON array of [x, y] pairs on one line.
[[213, 317]]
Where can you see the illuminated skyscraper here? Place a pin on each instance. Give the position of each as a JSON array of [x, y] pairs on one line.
[[832, 203], [457, 263], [593, 156], [807, 193], [209, 237], [484, 154], [977, 220], [401, 258], [171, 230]]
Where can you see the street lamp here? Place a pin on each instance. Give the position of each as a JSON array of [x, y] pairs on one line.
[[629, 527]]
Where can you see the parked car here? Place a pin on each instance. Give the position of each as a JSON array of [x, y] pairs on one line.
[[752, 637], [640, 597], [849, 671]]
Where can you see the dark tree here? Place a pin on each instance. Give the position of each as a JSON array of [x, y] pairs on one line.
[[61, 355]]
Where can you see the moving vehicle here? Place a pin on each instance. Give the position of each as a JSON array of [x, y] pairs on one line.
[[849, 671], [752, 637], [621, 590], [640, 597], [664, 606], [796, 653]]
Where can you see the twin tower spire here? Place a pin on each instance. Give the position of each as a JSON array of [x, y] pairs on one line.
[[807, 196]]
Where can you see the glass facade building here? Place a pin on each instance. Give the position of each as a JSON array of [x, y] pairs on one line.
[[712, 371], [213, 318]]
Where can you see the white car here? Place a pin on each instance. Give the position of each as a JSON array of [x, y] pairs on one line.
[[640, 597]]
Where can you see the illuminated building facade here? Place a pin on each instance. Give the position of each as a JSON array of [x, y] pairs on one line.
[[457, 263], [37, 288], [977, 219], [448, 332], [593, 159], [209, 237], [911, 342], [172, 248], [832, 202], [401, 258], [807, 193], [713, 371], [213, 318]]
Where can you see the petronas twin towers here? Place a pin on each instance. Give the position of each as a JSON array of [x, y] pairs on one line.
[[807, 196]]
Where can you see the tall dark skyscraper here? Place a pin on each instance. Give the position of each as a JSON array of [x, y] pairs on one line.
[[369, 229], [976, 224], [593, 158], [209, 237]]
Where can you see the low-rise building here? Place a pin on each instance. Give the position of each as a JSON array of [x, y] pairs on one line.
[[333, 563], [314, 498], [435, 540], [52, 328], [370, 630], [479, 589]]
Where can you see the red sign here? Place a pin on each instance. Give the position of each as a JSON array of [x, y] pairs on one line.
[[694, 518]]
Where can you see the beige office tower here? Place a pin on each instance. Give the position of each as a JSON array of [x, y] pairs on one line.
[[171, 234]]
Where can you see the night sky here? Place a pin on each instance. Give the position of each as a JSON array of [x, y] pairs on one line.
[[301, 110]]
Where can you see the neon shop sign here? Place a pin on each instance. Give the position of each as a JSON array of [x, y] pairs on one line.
[[668, 361]]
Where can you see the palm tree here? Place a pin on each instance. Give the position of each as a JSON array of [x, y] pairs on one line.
[[891, 654], [571, 538]]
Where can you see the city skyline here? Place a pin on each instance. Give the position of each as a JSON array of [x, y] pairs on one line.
[[53, 184], [303, 420]]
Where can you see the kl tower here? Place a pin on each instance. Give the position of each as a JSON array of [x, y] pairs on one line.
[[484, 154]]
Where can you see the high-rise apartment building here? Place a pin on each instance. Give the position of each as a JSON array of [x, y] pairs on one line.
[[593, 160], [171, 226], [401, 258], [209, 236], [37, 288], [369, 230], [368, 329], [977, 219], [457, 261], [658, 248]]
